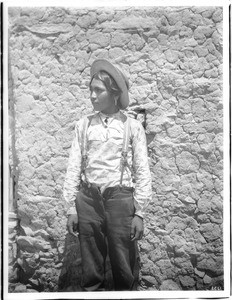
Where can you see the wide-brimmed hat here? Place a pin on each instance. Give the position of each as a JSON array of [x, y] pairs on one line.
[[119, 77]]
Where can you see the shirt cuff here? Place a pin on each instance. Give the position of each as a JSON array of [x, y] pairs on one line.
[[72, 211], [139, 213]]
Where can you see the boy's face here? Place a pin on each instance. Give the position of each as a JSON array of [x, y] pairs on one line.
[[100, 97]]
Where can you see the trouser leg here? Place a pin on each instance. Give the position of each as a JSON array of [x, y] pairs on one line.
[[92, 239], [119, 209]]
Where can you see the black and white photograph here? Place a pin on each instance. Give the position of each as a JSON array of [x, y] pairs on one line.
[[116, 150]]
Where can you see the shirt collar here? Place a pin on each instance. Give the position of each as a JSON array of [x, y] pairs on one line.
[[110, 116]]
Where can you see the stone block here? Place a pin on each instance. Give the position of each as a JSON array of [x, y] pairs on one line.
[[217, 15], [149, 280], [118, 39], [31, 244], [199, 273], [210, 231], [25, 103], [187, 162], [207, 279], [172, 55], [20, 288], [169, 285], [87, 21], [12, 274], [187, 281]]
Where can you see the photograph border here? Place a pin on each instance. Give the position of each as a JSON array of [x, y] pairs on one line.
[[226, 162]]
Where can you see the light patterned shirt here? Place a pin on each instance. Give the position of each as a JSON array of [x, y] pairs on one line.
[[103, 165]]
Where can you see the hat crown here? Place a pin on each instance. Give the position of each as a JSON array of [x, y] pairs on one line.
[[124, 77]]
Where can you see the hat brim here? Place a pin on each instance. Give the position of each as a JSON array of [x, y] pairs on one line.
[[105, 65]]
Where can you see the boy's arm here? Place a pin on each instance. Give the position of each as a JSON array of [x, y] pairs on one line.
[[72, 181], [143, 187]]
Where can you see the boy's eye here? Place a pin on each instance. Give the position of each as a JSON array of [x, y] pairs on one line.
[[96, 90]]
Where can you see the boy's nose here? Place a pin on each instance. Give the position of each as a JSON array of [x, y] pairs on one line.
[[93, 95]]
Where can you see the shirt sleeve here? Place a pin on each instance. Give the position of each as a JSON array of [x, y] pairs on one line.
[[143, 187], [73, 174]]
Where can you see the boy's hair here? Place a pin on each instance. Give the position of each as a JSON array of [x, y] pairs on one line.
[[109, 82]]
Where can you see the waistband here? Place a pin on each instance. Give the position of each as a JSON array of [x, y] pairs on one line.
[[91, 188]]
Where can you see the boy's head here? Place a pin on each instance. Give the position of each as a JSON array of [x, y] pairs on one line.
[[113, 79]]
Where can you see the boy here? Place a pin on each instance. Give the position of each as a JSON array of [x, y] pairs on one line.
[[108, 179]]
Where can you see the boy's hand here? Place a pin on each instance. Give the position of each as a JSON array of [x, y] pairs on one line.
[[136, 228], [72, 224]]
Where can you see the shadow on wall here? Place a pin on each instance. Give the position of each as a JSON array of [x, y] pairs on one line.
[[70, 275]]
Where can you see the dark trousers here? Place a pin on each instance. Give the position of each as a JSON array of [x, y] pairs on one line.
[[104, 228]]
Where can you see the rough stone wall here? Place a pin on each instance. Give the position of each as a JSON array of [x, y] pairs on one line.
[[173, 58]]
